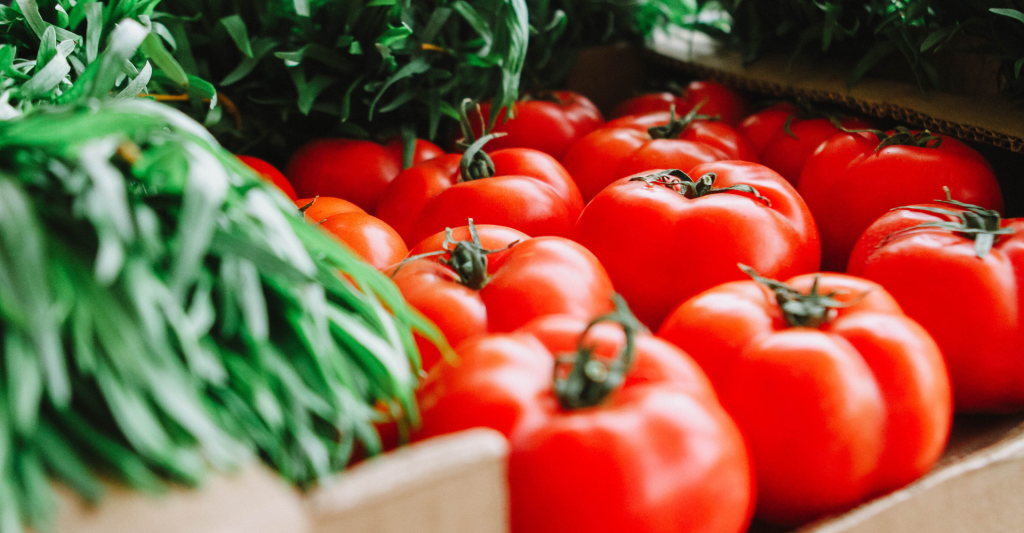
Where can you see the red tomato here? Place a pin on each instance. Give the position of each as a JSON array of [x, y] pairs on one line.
[[270, 173], [969, 298], [655, 454], [549, 122], [710, 132], [661, 246], [611, 153], [717, 98], [477, 292], [785, 151], [367, 236], [848, 184], [529, 191], [840, 397], [357, 171]]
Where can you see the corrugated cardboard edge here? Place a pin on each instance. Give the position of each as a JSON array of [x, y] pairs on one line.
[[981, 491], [451, 484], [993, 120], [253, 500]]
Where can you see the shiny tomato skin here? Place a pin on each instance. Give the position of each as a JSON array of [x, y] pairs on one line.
[[608, 154], [547, 126], [661, 248], [658, 455], [717, 100], [535, 277], [787, 154], [270, 173], [357, 171], [714, 133], [530, 192], [369, 237], [847, 185], [833, 415], [931, 271]]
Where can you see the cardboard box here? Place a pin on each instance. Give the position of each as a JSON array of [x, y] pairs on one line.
[[451, 484], [992, 119]]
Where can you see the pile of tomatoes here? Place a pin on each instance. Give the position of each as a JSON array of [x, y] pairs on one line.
[[824, 296]]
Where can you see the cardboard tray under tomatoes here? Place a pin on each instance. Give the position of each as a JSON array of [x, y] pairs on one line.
[[450, 484]]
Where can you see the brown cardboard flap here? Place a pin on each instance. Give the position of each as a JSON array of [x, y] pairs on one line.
[[450, 484], [254, 500], [990, 119], [982, 491]]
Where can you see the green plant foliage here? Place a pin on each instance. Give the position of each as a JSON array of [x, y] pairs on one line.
[[870, 32], [165, 313]]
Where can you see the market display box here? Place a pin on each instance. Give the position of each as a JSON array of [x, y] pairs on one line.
[[457, 483]]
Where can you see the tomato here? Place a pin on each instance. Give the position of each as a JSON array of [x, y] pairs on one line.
[[269, 173], [357, 171], [664, 238], [485, 286], [653, 452], [710, 132], [839, 394], [525, 189], [367, 236], [784, 138], [611, 153], [852, 179], [717, 100], [550, 122], [964, 288]]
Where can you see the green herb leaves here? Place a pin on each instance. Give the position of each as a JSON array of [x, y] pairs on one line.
[[164, 313]]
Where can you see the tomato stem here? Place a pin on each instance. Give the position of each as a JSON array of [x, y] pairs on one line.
[[975, 222], [801, 310], [681, 182], [468, 259], [901, 136], [589, 381], [475, 164], [677, 125]]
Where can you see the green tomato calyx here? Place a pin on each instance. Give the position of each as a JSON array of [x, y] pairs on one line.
[[583, 381], [682, 183], [468, 259], [677, 125], [800, 310], [974, 222], [901, 136], [475, 164]]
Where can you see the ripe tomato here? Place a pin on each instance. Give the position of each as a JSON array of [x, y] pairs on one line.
[[784, 138], [269, 173], [483, 286], [367, 236], [664, 238], [852, 179], [710, 132], [611, 153], [357, 171], [550, 122], [717, 98], [840, 395], [964, 288], [527, 190], [650, 451]]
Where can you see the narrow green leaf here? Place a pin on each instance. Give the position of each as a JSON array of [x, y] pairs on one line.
[[93, 29], [418, 65], [1012, 13], [137, 85], [154, 49], [235, 27]]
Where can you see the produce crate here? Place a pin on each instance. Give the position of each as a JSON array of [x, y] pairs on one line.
[[978, 485], [450, 484]]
